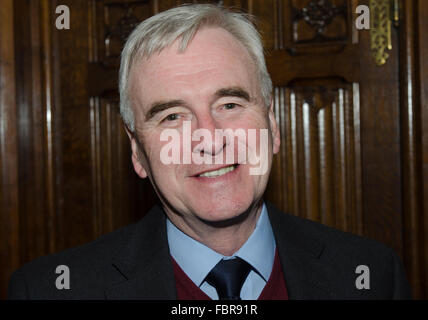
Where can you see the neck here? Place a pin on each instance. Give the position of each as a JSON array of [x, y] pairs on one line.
[[224, 237]]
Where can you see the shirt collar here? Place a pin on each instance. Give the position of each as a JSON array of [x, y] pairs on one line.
[[197, 260]]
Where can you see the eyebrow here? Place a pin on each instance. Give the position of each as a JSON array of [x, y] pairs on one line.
[[157, 107], [160, 106], [233, 92]]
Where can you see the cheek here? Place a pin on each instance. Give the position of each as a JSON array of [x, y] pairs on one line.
[[253, 123], [255, 118], [148, 154], [152, 144], [258, 144], [158, 154]]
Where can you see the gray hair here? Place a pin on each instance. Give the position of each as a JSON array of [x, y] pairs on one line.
[[161, 30]]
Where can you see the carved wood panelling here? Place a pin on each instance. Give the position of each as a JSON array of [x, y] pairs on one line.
[[115, 186], [318, 21], [302, 26], [319, 160], [112, 173], [115, 20], [316, 25]]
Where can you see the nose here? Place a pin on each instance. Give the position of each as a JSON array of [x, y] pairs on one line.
[[204, 140]]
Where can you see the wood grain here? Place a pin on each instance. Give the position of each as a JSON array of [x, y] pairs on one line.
[[9, 205], [422, 85]]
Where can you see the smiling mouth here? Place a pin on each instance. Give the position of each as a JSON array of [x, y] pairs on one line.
[[219, 172]]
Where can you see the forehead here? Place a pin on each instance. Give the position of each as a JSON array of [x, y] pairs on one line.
[[213, 58]]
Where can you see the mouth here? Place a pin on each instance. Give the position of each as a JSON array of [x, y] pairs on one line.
[[218, 172]]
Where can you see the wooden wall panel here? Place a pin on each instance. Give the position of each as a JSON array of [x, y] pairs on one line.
[[316, 26], [319, 162], [380, 143], [9, 208], [116, 188], [422, 136], [414, 70], [31, 135], [319, 167]]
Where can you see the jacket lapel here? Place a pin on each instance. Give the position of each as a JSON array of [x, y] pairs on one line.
[[306, 276], [145, 262]]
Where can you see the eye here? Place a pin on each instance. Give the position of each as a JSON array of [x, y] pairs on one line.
[[229, 106], [171, 117]]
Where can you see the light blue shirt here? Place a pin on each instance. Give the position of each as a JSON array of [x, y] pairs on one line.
[[197, 260]]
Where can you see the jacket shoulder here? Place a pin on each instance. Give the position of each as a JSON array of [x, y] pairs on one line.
[[88, 264], [308, 232], [344, 255]]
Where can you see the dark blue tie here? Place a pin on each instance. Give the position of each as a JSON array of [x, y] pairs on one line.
[[227, 277]]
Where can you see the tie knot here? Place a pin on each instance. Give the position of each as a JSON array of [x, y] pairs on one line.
[[227, 277]]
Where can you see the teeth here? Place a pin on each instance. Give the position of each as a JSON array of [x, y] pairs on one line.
[[217, 173]]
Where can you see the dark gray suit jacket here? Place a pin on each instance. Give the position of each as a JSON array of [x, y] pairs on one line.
[[134, 263]]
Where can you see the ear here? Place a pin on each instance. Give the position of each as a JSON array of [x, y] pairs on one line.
[[276, 137], [138, 167]]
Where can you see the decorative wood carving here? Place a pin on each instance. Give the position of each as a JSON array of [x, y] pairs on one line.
[[115, 22], [325, 25], [318, 14], [380, 30], [124, 26]]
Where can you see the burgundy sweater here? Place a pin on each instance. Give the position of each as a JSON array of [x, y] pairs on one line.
[[274, 289]]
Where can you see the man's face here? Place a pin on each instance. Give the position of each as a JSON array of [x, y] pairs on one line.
[[212, 85]]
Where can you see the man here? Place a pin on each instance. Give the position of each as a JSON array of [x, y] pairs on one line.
[[193, 87]]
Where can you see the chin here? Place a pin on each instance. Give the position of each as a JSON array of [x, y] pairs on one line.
[[217, 211]]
